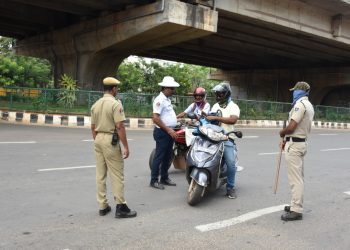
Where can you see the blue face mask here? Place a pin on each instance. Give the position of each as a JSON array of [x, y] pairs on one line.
[[297, 94]]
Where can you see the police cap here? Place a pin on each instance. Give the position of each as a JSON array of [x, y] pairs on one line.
[[110, 81], [301, 85]]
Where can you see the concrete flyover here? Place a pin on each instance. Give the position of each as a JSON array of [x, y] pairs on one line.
[[261, 46]]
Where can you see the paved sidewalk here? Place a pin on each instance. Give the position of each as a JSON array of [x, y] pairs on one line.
[[133, 123]]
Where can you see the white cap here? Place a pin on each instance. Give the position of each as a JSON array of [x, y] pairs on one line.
[[168, 81]]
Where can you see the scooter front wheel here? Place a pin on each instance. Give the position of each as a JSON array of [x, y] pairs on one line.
[[195, 193]]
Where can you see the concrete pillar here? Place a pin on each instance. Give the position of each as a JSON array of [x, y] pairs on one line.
[[274, 85]]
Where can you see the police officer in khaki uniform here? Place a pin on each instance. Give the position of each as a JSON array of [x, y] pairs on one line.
[[107, 117], [294, 145]]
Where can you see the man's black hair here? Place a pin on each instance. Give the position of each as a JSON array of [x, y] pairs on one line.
[[108, 87]]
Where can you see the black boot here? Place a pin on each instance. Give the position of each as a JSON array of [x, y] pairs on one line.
[[122, 211], [291, 215], [105, 211]]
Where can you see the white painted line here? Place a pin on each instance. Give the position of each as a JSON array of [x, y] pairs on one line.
[[274, 153], [239, 219], [17, 142], [334, 149], [250, 136], [239, 168], [327, 134], [348, 192], [93, 140], [68, 168]]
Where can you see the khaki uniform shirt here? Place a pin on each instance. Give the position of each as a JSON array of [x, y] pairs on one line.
[[303, 114], [106, 112]]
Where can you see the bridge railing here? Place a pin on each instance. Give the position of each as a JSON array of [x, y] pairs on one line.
[[140, 105]]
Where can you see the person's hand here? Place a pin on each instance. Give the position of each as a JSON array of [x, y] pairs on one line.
[[282, 133], [172, 133], [125, 153], [211, 118]]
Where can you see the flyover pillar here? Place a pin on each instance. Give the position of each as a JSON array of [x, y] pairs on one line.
[[328, 85]]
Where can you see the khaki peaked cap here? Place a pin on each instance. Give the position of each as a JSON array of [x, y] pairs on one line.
[[301, 85], [110, 81]]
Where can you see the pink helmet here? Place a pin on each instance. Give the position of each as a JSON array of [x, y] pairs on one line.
[[199, 94]]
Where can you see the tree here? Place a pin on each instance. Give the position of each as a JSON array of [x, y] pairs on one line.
[[144, 76], [23, 71]]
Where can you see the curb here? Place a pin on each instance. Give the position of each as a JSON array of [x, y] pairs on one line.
[[134, 123]]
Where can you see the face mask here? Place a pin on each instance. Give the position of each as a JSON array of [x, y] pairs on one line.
[[297, 94]]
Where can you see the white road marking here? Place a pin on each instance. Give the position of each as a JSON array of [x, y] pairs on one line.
[[17, 142], [250, 136], [327, 134], [68, 168], [239, 219], [334, 149], [239, 168], [348, 192], [273, 153], [93, 140]]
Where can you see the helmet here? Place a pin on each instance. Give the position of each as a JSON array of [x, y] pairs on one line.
[[199, 95], [222, 92]]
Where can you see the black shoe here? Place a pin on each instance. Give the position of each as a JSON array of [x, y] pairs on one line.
[[231, 193], [122, 211], [168, 182], [289, 216], [287, 208], [105, 211], [156, 185]]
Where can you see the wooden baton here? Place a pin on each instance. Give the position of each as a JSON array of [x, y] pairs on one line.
[[278, 164]]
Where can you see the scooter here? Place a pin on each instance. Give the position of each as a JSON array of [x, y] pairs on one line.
[[206, 170]]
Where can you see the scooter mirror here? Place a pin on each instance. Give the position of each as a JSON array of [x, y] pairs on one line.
[[238, 134]]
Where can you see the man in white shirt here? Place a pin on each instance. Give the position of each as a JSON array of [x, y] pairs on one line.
[[164, 117], [200, 104], [230, 114]]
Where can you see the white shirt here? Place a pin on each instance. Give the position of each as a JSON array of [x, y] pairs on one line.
[[162, 106], [231, 109], [197, 109]]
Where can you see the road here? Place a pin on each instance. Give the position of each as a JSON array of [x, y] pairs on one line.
[[47, 192]]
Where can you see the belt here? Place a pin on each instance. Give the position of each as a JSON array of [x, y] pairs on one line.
[[295, 139]]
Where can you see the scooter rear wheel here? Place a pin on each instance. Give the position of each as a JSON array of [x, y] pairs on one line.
[[151, 157], [194, 193]]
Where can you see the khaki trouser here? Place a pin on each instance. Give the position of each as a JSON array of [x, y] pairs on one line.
[[294, 155], [108, 159]]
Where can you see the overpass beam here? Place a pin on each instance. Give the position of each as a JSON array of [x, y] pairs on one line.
[[94, 48]]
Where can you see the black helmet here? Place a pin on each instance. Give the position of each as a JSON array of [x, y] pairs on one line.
[[222, 92]]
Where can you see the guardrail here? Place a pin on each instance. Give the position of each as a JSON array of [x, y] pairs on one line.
[[140, 105]]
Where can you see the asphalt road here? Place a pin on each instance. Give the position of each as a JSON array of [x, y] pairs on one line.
[[46, 203]]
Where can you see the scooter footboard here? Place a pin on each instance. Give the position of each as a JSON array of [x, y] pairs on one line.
[[201, 176]]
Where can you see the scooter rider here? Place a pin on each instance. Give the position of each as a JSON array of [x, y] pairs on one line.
[[230, 114], [199, 106]]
